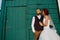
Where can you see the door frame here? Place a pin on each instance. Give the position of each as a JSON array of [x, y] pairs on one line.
[[5, 18]]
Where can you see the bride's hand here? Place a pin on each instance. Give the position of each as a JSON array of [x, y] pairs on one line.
[[40, 23]]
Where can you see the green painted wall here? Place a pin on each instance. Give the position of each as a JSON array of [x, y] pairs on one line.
[[31, 6]]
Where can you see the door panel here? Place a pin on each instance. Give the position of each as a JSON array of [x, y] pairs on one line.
[[15, 26]]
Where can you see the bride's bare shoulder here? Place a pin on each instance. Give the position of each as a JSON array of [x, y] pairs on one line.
[[47, 17]]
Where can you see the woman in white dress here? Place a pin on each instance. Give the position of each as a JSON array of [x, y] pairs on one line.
[[47, 33]]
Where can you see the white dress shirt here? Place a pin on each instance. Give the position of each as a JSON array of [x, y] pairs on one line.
[[33, 21]]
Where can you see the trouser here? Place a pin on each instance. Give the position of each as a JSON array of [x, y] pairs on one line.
[[37, 34]]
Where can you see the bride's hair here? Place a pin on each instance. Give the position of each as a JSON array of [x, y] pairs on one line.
[[46, 11]]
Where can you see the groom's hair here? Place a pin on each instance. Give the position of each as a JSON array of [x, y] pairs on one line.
[[46, 11]]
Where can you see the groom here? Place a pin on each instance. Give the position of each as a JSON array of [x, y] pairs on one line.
[[36, 27]]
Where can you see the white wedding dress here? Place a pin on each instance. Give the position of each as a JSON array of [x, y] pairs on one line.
[[48, 34]]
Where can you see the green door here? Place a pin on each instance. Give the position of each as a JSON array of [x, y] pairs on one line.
[[15, 24]]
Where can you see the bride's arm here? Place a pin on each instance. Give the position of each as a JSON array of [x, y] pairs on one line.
[[41, 23], [46, 21]]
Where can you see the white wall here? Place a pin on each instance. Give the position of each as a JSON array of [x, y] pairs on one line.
[[59, 4], [0, 3]]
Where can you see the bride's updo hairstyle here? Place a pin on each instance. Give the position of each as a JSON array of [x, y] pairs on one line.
[[46, 12]]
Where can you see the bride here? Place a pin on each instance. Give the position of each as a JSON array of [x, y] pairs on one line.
[[47, 33]]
